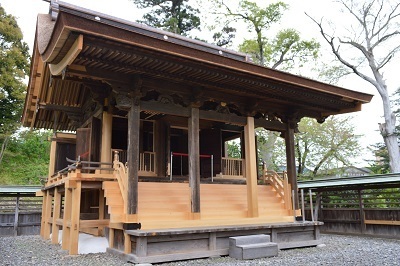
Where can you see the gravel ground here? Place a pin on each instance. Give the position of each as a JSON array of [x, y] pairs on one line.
[[338, 250]]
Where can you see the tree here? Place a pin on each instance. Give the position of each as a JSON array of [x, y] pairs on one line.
[[381, 163], [14, 65], [281, 51], [372, 44], [176, 16], [325, 146], [30, 149]]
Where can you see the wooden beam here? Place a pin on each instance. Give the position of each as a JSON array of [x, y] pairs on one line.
[[133, 157], [169, 109], [194, 160], [382, 222], [290, 161], [270, 125], [63, 108], [251, 168], [73, 52], [226, 118]]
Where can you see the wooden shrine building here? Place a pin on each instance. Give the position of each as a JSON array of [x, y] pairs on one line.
[[141, 117]]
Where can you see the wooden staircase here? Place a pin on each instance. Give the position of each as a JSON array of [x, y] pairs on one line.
[[114, 201], [167, 205]]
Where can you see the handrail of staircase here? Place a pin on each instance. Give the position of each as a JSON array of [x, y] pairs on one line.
[[281, 185], [121, 174]]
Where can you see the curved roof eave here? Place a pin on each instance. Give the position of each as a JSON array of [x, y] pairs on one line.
[[94, 23]]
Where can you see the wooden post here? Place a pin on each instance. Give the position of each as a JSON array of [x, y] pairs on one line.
[[290, 161], [52, 162], [194, 160], [141, 246], [251, 173], [160, 147], [101, 211], [47, 215], [75, 218], [16, 215], [362, 214], [133, 157], [111, 237], [317, 206], [43, 214], [106, 137], [66, 218], [168, 151], [56, 215]]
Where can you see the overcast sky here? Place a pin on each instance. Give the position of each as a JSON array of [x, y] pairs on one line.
[[366, 121]]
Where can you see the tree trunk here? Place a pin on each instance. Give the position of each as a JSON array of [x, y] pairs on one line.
[[3, 148], [269, 149], [387, 130]]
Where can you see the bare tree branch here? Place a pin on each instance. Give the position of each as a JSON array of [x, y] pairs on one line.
[[390, 17], [335, 51]]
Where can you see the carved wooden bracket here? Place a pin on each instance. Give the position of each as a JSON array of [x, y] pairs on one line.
[[196, 97], [127, 95]]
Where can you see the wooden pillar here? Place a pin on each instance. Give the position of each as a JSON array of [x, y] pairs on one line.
[[75, 217], [106, 137], [290, 161], [317, 206], [194, 160], [168, 150], [66, 218], [111, 237], [46, 215], [251, 173], [43, 214], [16, 215], [127, 243], [56, 215], [133, 157], [160, 148], [52, 162], [101, 211], [362, 213]]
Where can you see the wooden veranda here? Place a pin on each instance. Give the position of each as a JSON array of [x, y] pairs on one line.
[[151, 112]]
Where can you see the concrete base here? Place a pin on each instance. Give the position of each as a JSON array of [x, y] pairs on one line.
[[163, 245]]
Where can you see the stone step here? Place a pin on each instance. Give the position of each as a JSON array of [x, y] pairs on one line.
[[252, 247]]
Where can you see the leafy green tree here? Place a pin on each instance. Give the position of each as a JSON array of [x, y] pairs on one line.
[[14, 66], [29, 149], [176, 16], [285, 50], [381, 163], [325, 146], [234, 149], [282, 50]]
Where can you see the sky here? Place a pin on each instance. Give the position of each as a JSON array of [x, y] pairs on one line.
[[366, 121]]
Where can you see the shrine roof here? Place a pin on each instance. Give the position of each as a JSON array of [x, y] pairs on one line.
[[80, 52]]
